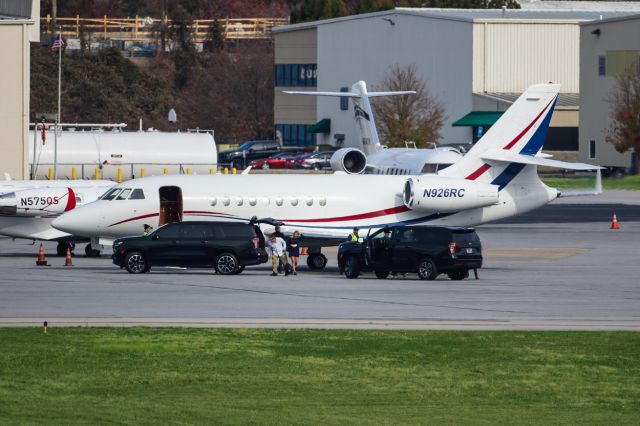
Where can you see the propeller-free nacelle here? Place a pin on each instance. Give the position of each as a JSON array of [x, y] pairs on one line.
[[446, 195], [37, 202], [350, 160]]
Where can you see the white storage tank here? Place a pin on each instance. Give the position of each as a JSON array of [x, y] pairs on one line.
[[110, 150]]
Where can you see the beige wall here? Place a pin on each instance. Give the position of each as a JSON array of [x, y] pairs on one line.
[[14, 97], [295, 47]]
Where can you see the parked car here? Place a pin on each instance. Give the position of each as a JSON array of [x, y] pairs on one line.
[[427, 250], [226, 246], [241, 156], [318, 160], [276, 161]]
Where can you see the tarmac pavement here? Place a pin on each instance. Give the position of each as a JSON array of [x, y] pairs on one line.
[[560, 267]]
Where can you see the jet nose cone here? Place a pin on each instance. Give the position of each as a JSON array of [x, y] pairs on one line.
[[76, 222]]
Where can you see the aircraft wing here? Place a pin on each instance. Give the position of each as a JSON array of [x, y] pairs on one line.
[[503, 156], [350, 94]]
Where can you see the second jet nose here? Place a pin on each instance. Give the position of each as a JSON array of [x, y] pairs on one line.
[[83, 221]]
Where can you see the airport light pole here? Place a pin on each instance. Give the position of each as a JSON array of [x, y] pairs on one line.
[[55, 138]]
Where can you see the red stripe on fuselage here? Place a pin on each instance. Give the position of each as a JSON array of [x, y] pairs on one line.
[[475, 175], [526, 129], [134, 218], [377, 213]]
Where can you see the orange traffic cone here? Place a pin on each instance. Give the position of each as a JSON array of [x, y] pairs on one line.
[[41, 260], [614, 222], [67, 260]]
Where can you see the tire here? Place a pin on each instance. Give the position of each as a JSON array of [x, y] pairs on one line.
[[61, 248], [352, 267], [240, 269], [382, 274], [316, 261], [90, 252], [427, 269], [458, 275], [317, 167], [237, 164], [135, 263], [227, 264]]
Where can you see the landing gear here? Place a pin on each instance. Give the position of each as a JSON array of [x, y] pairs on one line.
[[62, 247], [91, 252], [316, 261]]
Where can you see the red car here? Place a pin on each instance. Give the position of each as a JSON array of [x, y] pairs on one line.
[[276, 161]]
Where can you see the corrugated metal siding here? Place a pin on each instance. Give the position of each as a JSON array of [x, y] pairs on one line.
[[512, 56]]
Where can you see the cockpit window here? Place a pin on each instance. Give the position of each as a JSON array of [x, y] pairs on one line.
[[124, 194], [443, 166], [8, 196], [110, 195], [137, 194], [430, 168]]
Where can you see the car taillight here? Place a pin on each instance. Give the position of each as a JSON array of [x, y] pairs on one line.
[[453, 248], [256, 242]]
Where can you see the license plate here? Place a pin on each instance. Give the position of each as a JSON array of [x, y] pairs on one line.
[[469, 250]]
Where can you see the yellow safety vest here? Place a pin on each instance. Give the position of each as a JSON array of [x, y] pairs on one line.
[[354, 238]]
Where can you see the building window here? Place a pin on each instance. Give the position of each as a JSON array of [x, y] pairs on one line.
[[344, 100], [296, 134], [297, 75], [602, 65], [592, 149]]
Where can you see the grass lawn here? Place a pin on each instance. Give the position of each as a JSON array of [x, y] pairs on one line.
[[229, 376], [627, 182]]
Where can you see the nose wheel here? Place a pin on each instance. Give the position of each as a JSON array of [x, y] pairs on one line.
[[62, 247], [91, 252]]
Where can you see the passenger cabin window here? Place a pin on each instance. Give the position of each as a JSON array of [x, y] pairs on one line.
[[78, 198], [124, 194], [137, 194]]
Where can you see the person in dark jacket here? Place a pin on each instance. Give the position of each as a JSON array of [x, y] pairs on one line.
[[293, 247]]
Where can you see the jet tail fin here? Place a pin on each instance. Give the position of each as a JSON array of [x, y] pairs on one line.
[[363, 111]]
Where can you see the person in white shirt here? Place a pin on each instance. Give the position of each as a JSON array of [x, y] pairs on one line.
[[276, 247]]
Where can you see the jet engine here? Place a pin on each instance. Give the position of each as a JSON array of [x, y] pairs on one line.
[[447, 195], [350, 160], [37, 202]]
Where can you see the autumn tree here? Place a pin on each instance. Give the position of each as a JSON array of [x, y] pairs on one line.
[[417, 118], [312, 10], [624, 99]]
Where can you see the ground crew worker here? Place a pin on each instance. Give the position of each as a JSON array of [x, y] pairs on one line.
[[354, 237], [147, 230]]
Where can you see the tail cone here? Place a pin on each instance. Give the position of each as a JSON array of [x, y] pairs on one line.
[[41, 260], [614, 222], [67, 260]]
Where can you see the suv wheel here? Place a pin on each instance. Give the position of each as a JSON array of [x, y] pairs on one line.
[[227, 264], [352, 267], [236, 164], [458, 275], [135, 263], [382, 274], [427, 269]]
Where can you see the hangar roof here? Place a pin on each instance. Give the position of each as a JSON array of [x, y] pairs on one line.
[[482, 15]]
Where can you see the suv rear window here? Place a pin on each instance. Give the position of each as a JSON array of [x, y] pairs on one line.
[[465, 237], [234, 231], [432, 235]]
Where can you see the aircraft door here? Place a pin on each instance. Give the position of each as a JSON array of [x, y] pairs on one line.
[[170, 205]]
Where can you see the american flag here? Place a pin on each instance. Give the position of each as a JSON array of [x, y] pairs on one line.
[[59, 43]]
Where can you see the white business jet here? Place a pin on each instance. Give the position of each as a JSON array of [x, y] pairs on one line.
[[496, 179], [375, 158], [27, 207]]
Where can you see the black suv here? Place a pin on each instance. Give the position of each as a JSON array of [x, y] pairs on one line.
[[227, 246], [427, 250], [241, 156]]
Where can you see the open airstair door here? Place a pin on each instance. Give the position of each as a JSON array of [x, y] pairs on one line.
[[170, 205]]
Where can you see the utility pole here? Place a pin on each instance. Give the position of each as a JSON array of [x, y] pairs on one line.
[[55, 140]]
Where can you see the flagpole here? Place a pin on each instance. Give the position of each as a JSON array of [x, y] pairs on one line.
[[55, 140]]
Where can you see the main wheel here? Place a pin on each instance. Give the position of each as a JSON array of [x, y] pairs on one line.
[[427, 269], [458, 275], [90, 252], [382, 274], [352, 267], [227, 264], [135, 263], [61, 248], [316, 261]]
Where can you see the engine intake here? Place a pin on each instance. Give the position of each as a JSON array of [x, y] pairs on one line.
[[349, 160], [447, 195]]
